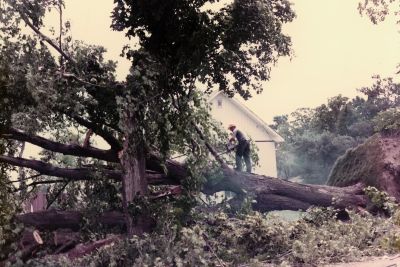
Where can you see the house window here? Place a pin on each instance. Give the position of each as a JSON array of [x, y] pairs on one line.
[[219, 103]]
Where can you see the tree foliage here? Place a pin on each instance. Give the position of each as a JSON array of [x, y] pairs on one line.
[[378, 10]]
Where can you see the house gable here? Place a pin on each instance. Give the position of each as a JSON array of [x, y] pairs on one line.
[[229, 110]]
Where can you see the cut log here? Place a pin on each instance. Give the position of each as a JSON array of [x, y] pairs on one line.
[[30, 238], [52, 219], [88, 248], [29, 244], [65, 239]]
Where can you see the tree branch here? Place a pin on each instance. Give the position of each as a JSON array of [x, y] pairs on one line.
[[42, 36], [45, 182], [209, 147], [73, 174], [73, 149], [202, 137], [276, 194], [25, 179], [57, 195], [78, 79], [79, 174], [106, 135]]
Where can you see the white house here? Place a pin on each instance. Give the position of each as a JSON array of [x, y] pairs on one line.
[[229, 110]]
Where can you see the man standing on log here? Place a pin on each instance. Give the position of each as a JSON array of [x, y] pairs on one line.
[[242, 149]]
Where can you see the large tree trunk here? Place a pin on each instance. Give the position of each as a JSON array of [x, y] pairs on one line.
[[133, 164], [272, 193], [134, 183], [134, 173], [275, 194]]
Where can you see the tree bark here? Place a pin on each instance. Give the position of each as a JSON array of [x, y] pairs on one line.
[[134, 183], [134, 172], [65, 239], [74, 174], [272, 193], [133, 163], [276, 194], [71, 149], [52, 219]]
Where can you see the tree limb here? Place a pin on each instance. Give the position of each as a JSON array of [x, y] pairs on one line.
[[106, 135], [57, 195], [269, 193], [25, 179], [42, 36], [88, 248], [210, 148], [45, 182], [73, 174], [72, 149], [79, 174]]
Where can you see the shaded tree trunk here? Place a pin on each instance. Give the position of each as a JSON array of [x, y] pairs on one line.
[[133, 162], [134, 172]]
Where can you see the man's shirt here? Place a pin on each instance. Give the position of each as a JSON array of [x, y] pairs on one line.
[[239, 135]]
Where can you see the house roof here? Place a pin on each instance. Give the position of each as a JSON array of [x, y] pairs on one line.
[[274, 135]]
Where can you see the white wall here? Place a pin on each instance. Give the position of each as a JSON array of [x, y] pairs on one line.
[[225, 111]]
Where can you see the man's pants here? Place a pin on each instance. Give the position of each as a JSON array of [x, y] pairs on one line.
[[243, 151]]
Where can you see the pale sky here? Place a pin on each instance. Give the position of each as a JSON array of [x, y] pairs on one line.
[[336, 51]]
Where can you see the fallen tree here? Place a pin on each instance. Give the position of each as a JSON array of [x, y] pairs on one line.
[[270, 193]]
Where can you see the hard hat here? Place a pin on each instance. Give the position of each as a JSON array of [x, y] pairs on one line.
[[231, 125]]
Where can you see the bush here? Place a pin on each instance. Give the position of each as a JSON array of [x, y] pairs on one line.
[[387, 121], [317, 238]]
